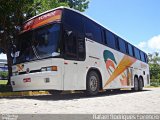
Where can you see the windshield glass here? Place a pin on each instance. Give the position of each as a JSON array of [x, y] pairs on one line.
[[38, 44]]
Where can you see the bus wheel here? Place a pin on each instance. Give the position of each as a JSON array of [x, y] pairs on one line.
[[136, 86], [93, 83], [140, 84]]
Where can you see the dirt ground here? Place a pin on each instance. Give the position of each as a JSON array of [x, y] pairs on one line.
[[126, 101]]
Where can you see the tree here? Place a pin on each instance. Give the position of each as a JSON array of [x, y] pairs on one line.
[[12, 15], [14, 12], [80, 5], [3, 75], [154, 64]]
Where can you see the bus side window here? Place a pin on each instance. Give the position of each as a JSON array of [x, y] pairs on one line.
[[73, 20], [130, 50], [88, 29], [122, 45], [110, 39], [93, 31], [81, 47], [104, 36], [70, 45], [137, 54], [146, 58], [98, 34], [142, 56]]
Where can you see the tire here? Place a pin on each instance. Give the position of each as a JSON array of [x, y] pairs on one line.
[[140, 84], [136, 85], [92, 83]]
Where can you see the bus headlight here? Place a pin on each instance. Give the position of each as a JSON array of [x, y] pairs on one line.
[[51, 68]]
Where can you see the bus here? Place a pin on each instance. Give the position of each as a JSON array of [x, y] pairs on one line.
[[64, 50]]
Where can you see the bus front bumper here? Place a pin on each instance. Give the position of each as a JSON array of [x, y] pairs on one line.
[[49, 80]]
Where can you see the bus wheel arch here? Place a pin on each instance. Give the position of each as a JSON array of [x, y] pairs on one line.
[[96, 72]]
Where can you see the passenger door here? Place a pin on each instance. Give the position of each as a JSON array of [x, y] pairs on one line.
[[74, 52]]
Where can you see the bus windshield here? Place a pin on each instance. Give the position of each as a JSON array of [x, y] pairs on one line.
[[38, 44]]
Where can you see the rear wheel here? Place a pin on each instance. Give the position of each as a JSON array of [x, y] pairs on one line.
[[93, 83], [136, 86], [140, 84]]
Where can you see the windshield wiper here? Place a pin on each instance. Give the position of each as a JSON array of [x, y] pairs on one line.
[[35, 52]]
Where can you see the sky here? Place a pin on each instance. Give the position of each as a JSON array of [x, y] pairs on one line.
[[137, 21]]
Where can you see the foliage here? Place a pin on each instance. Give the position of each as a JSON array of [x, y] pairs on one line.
[[80, 5], [44, 5], [3, 75], [154, 64]]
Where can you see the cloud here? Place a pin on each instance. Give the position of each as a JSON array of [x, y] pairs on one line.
[[154, 43], [151, 45], [3, 56], [142, 44]]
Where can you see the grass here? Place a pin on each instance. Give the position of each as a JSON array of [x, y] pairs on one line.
[[4, 87], [3, 82], [152, 87]]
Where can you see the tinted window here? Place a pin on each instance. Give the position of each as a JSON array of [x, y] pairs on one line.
[[122, 45], [97, 34], [93, 31], [146, 58], [130, 50], [70, 45], [81, 47], [74, 20], [136, 52], [142, 56], [40, 43], [110, 39]]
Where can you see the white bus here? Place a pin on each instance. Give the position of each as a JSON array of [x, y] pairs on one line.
[[62, 49]]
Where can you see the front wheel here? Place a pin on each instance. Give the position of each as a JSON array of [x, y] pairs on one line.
[[93, 83]]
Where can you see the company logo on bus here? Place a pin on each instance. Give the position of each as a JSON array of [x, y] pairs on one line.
[[47, 15], [42, 20], [28, 25]]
